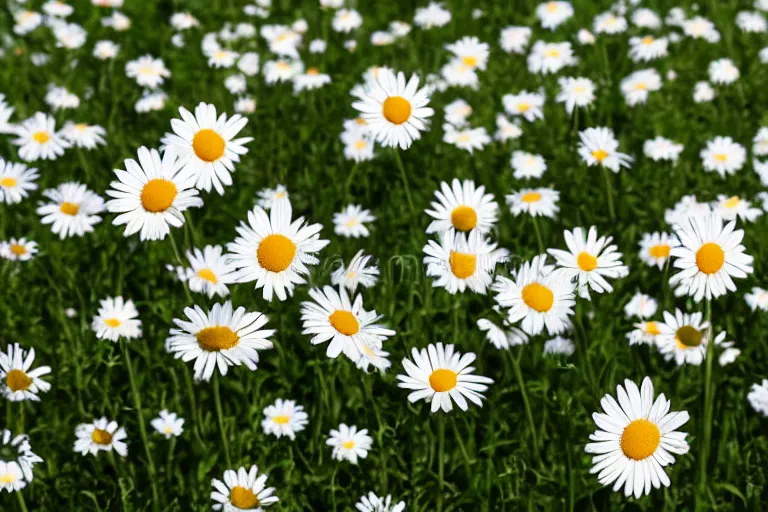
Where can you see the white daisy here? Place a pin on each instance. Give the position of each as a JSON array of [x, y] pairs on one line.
[[546, 58], [751, 22], [760, 142], [655, 248], [467, 139], [729, 208], [18, 249], [534, 201], [639, 84], [73, 210], [723, 72], [101, 435], [554, 13], [151, 101], [17, 451], [647, 48], [210, 271], [688, 206], [105, 50], [147, 71], [281, 70], [525, 104], [515, 39], [268, 196], [284, 418], [350, 222], [462, 207], [758, 299], [457, 112], [758, 397], [575, 92], [168, 424], [683, 337], [659, 148], [38, 139], [506, 130], [457, 74], [646, 18], [83, 135], [373, 503], [11, 477], [641, 306], [17, 379], [242, 490], [26, 21], [117, 318], [349, 444], [16, 181], [701, 28], [471, 52], [585, 37], [528, 165], [433, 15], [502, 338], [346, 20], [599, 146], [358, 273], [221, 57], [703, 92], [311, 79], [644, 333], [609, 23], [559, 346]]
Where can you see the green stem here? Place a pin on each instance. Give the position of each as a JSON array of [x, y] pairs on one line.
[[180, 262], [440, 449], [609, 192], [527, 404], [220, 415], [405, 180], [708, 403], [22, 504], [142, 427], [538, 234], [349, 180]]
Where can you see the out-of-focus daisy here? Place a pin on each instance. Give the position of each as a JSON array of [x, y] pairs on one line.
[[373, 503], [639, 84], [147, 71], [73, 210], [703, 92], [151, 195], [456, 112], [284, 418], [709, 257], [6, 111], [559, 346], [17, 379], [346, 20], [151, 102], [245, 105], [248, 63], [635, 439], [644, 333], [431, 16], [554, 13], [528, 165], [575, 92], [688, 206], [268, 196], [655, 248], [761, 168], [515, 39], [758, 299], [11, 477], [729, 208], [69, 35], [723, 155], [683, 337], [525, 104], [659, 148], [701, 28], [242, 490], [349, 444], [534, 201], [646, 18], [723, 72], [311, 79], [599, 146], [506, 130], [118, 21], [83, 135], [609, 23], [26, 21], [317, 46], [18, 249], [758, 397], [274, 250], [729, 353], [105, 50], [219, 338], [457, 74], [350, 222], [546, 58], [100, 436], [462, 207], [60, 98], [38, 139], [585, 37], [358, 272], [537, 296], [502, 338], [18, 455], [183, 21], [751, 22], [222, 58], [399, 28], [168, 424], [210, 271], [471, 52], [235, 84], [117, 318], [16, 181], [467, 138], [440, 376], [647, 48], [760, 142], [641, 306]]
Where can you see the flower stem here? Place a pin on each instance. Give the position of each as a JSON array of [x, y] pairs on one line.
[[609, 192], [708, 403], [220, 415], [527, 404], [405, 180], [440, 449], [22, 504], [538, 233]]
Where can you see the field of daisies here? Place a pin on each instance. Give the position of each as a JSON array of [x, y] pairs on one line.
[[339, 255]]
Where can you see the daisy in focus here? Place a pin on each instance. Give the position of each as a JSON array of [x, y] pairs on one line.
[[38, 139], [100, 436], [599, 146], [683, 337], [723, 156], [73, 211], [284, 418], [462, 207], [359, 272], [535, 202], [18, 381], [210, 271], [242, 490], [16, 181], [655, 248], [350, 222], [440, 376], [18, 249], [168, 424], [117, 318], [349, 444]]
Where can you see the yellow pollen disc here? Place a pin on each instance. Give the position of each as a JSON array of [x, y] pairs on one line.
[[280, 195], [348, 444], [579, 88], [396, 109], [652, 328], [208, 145], [101, 437], [146, 70], [275, 253], [462, 264], [552, 53], [531, 197], [167, 430], [17, 380], [158, 195], [344, 322], [464, 218], [281, 64], [18, 250], [69, 208], [600, 155], [361, 144], [642, 86], [469, 61], [443, 380], [659, 251], [7, 478], [8, 182], [522, 107], [313, 71], [214, 339], [41, 137], [208, 275], [81, 127], [112, 322], [243, 498], [732, 202], [538, 297], [647, 40], [721, 157], [361, 121], [688, 336], [464, 138], [281, 420], [586, 262], [552, 6], [710, 258], [640, 439]]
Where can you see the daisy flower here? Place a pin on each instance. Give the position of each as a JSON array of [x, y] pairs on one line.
[[646, 18], [147, 71], [703, 92], [346, 20], [248, 63], [101, 435], [456, 112], [644, 333], [729, 353], [268, 196], [525, 104], [16, 181], [284, 418], [206, 145], [105, 50], [585, 37], [683, 337], [18, 249], [17, 453], [528, 165], [758, 299], [462, 207], [441, 376], [641, 306], [599, 146], [639, 84], [502, 338], [553, 14], [471, 52], [210, 271], [18, 382], [534, 201], [655, 248], [60, 98], [222, 58], [701, 28], [751, 22], [350, 221], [358, 273], [688, 206], [709, 256], [468, 139], [151, 101], [589, 260], [459, 261], [242, 490], [760, 142], [26, 21], [349, 444], [6, 111], [515, 39], [83, 135], [538, 297], [373, 503], [117, 318], [758, 397], [69, 35], [659, 148], [73, 210], [609, 23], [457, 74], [647, 48], [635, 439], [245, 105], [151, 195], [546, 58], [431, 16], [729, 208], [559, 346], [281, 70], [168, 424], [395, 111], [723, 72], [346, 325], [38, 139], [219, 338], [575, 92], [312, 79], [118, 21], [275, 251], [505, 130], [358, 145]]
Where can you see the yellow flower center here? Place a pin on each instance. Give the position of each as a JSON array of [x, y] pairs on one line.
[[552, 6], [101, 437], [216, 338], [531, 197], [313, 71], [281, 420], [158, 195], [168, 430], [8, 182], [538, 297], [443, 380], [397, 109], [710, 258], [348, 444], [361, 121], [112, 322], [69, 208], [552, 53], [344, 322], [276, 252], [586, 261], [464, 218], [7, 478], [652, 329], [647, 40], [641, 86], [243, 498], [208, 275], [688, 336], [17, 380], [732, 202], [146, 70], [469, 61], [18, 250], [600, 155], [281, 64], [360, 144], [659, 251], [81, 127], [208, 145], [640, 439], [462, 264], [720, 156], [41, 137], [522, 107]]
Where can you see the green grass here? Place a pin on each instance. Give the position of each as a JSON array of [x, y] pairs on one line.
[[488, 461]]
